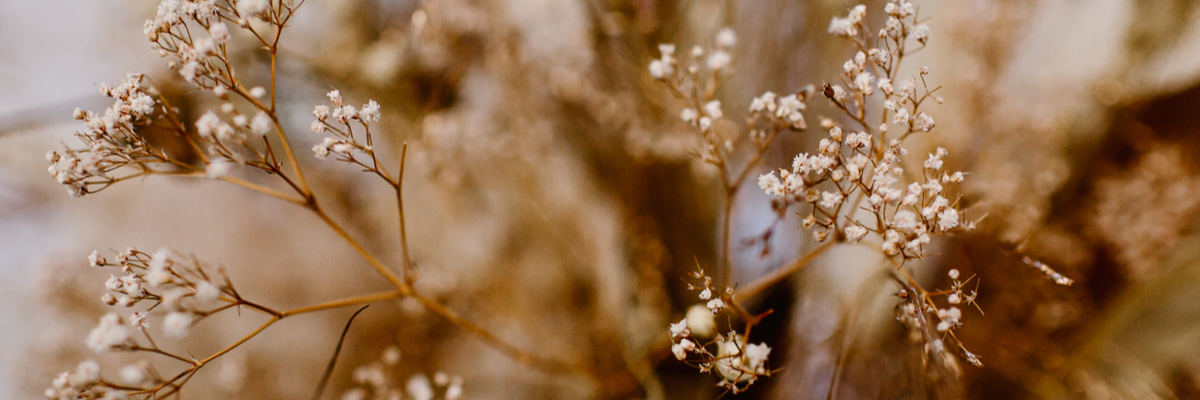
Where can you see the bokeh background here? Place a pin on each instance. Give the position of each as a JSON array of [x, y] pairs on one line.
[[553, 198]]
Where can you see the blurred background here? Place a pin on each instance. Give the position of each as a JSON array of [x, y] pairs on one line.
[[553, 198]]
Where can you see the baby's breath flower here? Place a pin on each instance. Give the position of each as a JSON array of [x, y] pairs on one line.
[[110, 335], [95, 260], [718, 60], [715, 305], [855, 233], [713, 109], [418, 388], [370, 111], [901, 117], [391, 355], [756, 355], [219, 33], [207, 292], [659, 69], [701, 321], [923, 122], [177, 323], [947, 219], [261, 123], [921, 33], [252, 8], [726, 38], [680, 329], [679, 352], [134, 374]]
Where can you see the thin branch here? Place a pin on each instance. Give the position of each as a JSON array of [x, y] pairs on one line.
[[346, 302], [754, 288], [409, 275], [333, 360]]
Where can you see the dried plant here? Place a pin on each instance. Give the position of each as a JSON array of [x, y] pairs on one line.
[[858, 188], [854, 163], [181, 290]]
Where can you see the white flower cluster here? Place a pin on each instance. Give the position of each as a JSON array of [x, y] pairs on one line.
[[181, 288], [110, 140], [110, 335], [339, 120], [784, 110], [179, 284], [695, 84], [851, 25], [852, 166], [228, 145], [738, 369], [375, 382], [191, 52], [81, 384], [718, 60], [913, 313]]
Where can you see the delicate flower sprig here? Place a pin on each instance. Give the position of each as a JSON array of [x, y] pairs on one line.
[[694, 85], [182, 291], [110, 141], [851, 165], [918, 309], [223, 142], [374, 382], [738, 363], [854, 165], [339, 120]]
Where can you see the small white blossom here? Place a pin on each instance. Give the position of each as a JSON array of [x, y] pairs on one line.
[[208, 123], [726, 38], [830, 199], [252, 8], [176, 324], [770, 184], [133, 374], [370, 111], [111, 334], [905, 220], [218, 167], [901, 117], [713, 109], [679, 352], [842, 27], [701, 321], [756, 355], [718, 60], [207, 292], [261, 123], [219, 32], [715, 305], [680, 329], [921, 33], [689, 115], [321, 112], [948, 219], [660, 69], [923, 122], [855, 233], [418, 388]]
